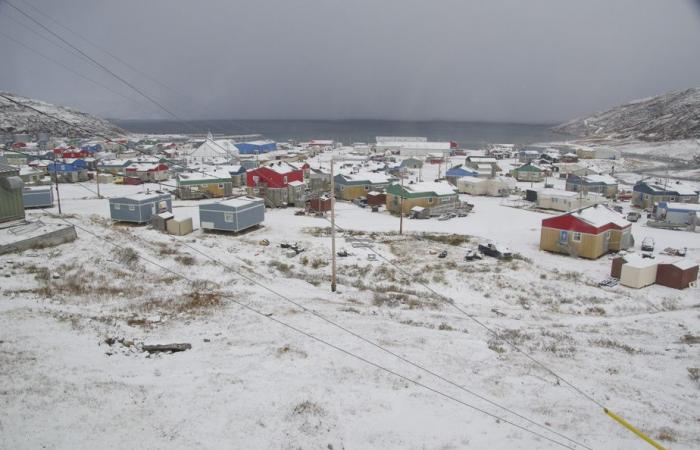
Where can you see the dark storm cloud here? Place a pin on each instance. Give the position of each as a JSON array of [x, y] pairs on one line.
[[534, 61]]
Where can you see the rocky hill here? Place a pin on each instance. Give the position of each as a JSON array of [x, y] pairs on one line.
[[17, 119], [671, 116]]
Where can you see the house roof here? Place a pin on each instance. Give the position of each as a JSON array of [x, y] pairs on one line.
[[592, 219], [369, 177], [638, 262], [604, 179], [673, 206], [203, 178], [684, 264], [143, 196], [599, 216], [240, 201], [418, 190]]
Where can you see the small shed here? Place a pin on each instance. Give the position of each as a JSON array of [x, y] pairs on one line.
[[139, 208], [320, 204], [235, 214], [638, 272], [37, 197], [616, 266], [179, 227], [375, 198], [419, 212], [677, 274], [160, 221]]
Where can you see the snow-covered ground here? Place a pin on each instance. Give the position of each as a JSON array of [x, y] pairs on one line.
[[249, 382]]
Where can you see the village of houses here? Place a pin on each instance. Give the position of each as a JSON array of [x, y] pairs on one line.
[[593, 273]]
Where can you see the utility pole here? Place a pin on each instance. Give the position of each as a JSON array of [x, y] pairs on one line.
[[58, 194], [97, 178], [401, 174], [332, 227]]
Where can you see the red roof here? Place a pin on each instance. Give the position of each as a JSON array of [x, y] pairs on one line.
[[570, 222]]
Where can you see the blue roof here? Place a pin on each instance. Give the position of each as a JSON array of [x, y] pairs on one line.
[[461, 172]]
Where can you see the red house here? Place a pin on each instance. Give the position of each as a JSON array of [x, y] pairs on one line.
[[276, 175], [70, 152], [147, 171]]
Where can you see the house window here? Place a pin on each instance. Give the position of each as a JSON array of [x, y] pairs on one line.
[[673, 198], [576, 237], [563, 237], [285, 179], [430, 200], [132, 208], [366, 187], [228, 217], [117, 206], [221, 185]]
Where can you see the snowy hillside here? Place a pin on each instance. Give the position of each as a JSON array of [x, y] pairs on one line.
[[671, 116], [16, 119]]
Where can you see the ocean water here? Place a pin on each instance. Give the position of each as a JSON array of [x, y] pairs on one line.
[[467, 134]]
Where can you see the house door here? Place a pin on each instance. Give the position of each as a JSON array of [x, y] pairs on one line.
[[153, 208], [606, 241]]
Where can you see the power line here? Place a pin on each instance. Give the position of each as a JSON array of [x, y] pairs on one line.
[[328, 343], [371, 342], [493, 332], [68, 68], [109, 71]]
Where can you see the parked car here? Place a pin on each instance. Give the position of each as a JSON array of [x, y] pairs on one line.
[[633, 216], [495, 251], [447, 216], [442, 254], [648, 244]]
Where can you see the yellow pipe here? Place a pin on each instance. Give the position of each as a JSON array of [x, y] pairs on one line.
[[632, 428]]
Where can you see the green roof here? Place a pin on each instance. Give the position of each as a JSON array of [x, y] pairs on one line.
[[528, 168]]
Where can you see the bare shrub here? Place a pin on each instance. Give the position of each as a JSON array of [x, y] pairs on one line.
[[495, 345], [667, 434], [690, 339], [126, 255], [185, 260], [318, 262], [444, 326], [289, 350], [449, 239], [595, 311], [282, 267], [694, 373], [609, 343]]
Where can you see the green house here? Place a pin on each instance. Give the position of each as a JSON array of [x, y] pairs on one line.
[[528, 172], [11, 204]]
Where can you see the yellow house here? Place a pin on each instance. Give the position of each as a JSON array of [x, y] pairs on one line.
[[352, 186], [587, 233]]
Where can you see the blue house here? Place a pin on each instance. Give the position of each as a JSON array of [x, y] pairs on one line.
[[256, 147], [235, 214], [458, 172], [646, 195], [68, 172], [139, 208], [37, 197], [92, 148]]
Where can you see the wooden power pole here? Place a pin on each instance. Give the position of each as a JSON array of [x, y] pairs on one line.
[[401, 174], [333, 285]]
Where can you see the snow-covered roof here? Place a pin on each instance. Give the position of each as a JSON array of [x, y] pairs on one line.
[[239, 201], [681, 206], [166, 215], [599, 216], [372, 177], [417, 208], [484, 167], [295, 183], [143, 196], [605, 179], [638, 262], [210, 175], [551, 192], [418, 145], [684, 264], [211, 148], [437, 188]]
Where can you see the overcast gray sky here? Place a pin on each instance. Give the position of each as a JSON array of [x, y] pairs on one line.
[[529, 61]]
